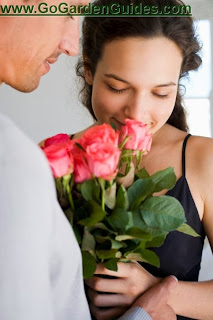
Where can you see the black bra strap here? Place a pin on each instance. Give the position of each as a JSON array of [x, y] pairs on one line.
[[72, 136], [183, 154]]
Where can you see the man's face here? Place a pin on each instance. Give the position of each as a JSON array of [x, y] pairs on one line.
[[35, 42]]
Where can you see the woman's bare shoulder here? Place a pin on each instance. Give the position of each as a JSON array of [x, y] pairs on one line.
[[200, 160], [201, 148]]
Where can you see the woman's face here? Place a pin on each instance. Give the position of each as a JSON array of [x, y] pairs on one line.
[[136, 78]]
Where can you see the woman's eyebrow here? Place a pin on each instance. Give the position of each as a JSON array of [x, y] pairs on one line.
[[111, 75], [114, 76], [166, 84]]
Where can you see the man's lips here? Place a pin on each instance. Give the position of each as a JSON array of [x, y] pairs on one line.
[[47, 66], [52, 60], [49, 61]]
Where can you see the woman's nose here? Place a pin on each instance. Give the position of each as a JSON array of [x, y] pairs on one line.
[[137, 108]]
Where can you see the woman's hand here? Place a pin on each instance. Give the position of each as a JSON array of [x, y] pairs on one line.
[[131, 281]]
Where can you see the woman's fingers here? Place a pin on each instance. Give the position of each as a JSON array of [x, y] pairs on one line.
[[109, 300], [123, 269], [107, 285]]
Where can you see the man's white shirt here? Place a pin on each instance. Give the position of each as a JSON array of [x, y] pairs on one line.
[[40, 261]]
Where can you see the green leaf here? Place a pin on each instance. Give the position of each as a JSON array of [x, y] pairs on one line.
[[110, 196], [144, 255], [62, 194], [134, 256], [117, 244], [134, 233], [156, 241], [102, 226], [142, 174], [58, 184], [122, 200], [88, 241], [138, 220], [89, 265], [114, 244], [164, 179], [106, 254], [164, 213], [131, 245], [111, 264], [81, 212], [77, 234], [120, 219], [185, 228], [139, 191], [140, 223], [69, 214], [94, 212], [90, 190]]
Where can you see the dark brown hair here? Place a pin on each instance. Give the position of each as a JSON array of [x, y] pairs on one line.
[[98, 31]]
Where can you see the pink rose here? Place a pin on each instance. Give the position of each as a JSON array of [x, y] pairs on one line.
[[101, 133], [102, 159], [60, 158], [100, 156], [58, 138], [81, 171], [139, 138]]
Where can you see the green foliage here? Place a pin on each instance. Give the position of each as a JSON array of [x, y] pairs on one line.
[[90, 190], [111, 264], [122, 200], [164, 213], [113, 223], [89, 264], [139, 191], [185, 228]]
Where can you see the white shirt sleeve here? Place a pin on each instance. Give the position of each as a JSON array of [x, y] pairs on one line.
[[135, 314], [40, 262]]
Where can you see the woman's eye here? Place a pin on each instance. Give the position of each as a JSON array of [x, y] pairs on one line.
[[160, 96], [116, 90]]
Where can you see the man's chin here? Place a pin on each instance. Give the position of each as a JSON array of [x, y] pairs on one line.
[[25, 87]]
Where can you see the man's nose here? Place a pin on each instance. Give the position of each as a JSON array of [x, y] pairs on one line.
[[70, 41]]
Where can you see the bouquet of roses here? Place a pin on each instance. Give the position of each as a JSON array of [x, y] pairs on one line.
[[108, 199]]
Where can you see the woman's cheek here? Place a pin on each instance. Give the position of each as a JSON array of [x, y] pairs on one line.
[[105, 104]]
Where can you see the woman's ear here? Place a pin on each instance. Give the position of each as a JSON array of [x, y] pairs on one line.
[[88, 76], [87, 72]]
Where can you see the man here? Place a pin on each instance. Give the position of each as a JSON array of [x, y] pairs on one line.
[[40, 262]]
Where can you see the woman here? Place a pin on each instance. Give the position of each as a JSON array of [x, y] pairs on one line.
[[131, 68]]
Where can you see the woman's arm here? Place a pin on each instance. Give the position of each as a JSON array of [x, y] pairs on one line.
[[195, 299]]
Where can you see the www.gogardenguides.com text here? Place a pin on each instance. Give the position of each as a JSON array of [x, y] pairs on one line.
[[113, 9]]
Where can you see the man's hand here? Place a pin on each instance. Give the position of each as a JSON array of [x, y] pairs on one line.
[[154, 301]]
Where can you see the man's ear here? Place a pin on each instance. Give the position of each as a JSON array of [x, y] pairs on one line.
[[87, 72]]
